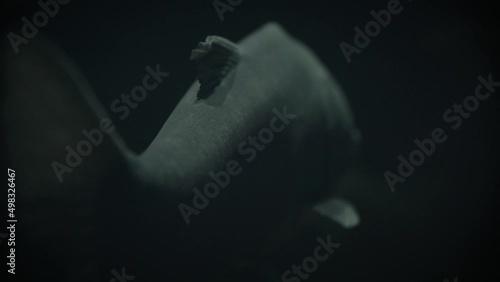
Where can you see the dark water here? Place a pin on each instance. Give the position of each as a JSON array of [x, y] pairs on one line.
[[440, 223]]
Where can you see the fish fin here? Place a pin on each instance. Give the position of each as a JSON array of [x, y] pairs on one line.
[[340, 211], [47, 105], [215, 58]]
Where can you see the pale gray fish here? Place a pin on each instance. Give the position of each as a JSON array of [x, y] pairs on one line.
[[119, 208]]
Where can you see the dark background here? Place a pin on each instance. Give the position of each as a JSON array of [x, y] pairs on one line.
[[440, 223]]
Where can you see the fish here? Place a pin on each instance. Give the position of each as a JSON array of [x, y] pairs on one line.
[[265, 122]]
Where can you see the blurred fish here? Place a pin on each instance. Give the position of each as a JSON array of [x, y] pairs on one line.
[[121, 209]]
